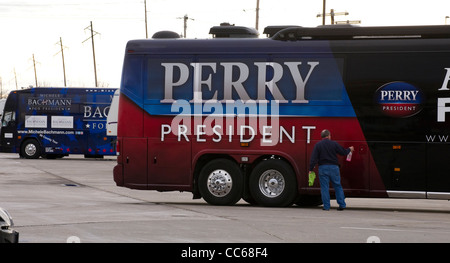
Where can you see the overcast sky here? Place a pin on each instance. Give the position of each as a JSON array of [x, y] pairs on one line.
[[30, 27]]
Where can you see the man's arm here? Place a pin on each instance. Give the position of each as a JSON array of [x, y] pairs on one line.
[[343, 151]]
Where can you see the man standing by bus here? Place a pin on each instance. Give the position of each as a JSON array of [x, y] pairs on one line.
[[325, 155]]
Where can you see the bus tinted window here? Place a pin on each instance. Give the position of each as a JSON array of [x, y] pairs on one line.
[[132, 76], [8, 116]]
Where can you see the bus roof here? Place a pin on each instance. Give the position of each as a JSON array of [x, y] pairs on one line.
[[344, 38], [336, 32], [58, 89]]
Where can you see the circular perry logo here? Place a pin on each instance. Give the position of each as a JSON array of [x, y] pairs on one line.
[[399, 99]]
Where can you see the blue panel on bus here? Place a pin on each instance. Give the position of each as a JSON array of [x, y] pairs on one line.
[[299, 85], [61, 120]]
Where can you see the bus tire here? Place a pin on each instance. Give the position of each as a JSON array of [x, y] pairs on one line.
[[30, 149], [273, 183], [221, 182]]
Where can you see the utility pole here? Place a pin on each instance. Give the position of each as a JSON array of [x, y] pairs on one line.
[[257, 15], [63, 64], [146, 29], [332, 14], [323, 12], [15, 78], [93, 33], [35, 75], [185, 18]]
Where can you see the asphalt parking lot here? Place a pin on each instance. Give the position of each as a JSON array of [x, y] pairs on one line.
[[76, 200]]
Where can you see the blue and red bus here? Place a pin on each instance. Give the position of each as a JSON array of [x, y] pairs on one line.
[[232, 118], [56, 122]]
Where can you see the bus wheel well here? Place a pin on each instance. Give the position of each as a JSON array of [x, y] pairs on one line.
[[268, 157]]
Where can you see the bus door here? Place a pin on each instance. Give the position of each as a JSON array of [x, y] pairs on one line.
[[402, 167], [9, 130], [8, 133]]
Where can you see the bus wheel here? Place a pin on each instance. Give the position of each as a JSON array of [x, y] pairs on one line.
[[30, 149], [221, 182], [273, 183]]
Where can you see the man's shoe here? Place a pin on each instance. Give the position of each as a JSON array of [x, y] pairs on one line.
[[341, 208]]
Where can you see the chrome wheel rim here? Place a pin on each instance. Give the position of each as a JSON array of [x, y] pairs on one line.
[[271, 183], [30, 149], [219, 183]]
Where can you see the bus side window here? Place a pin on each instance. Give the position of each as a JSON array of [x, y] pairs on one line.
[[8, 117], [132, 76]]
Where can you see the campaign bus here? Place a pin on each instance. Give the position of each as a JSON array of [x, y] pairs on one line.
[[232, 118], [56, 122]]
